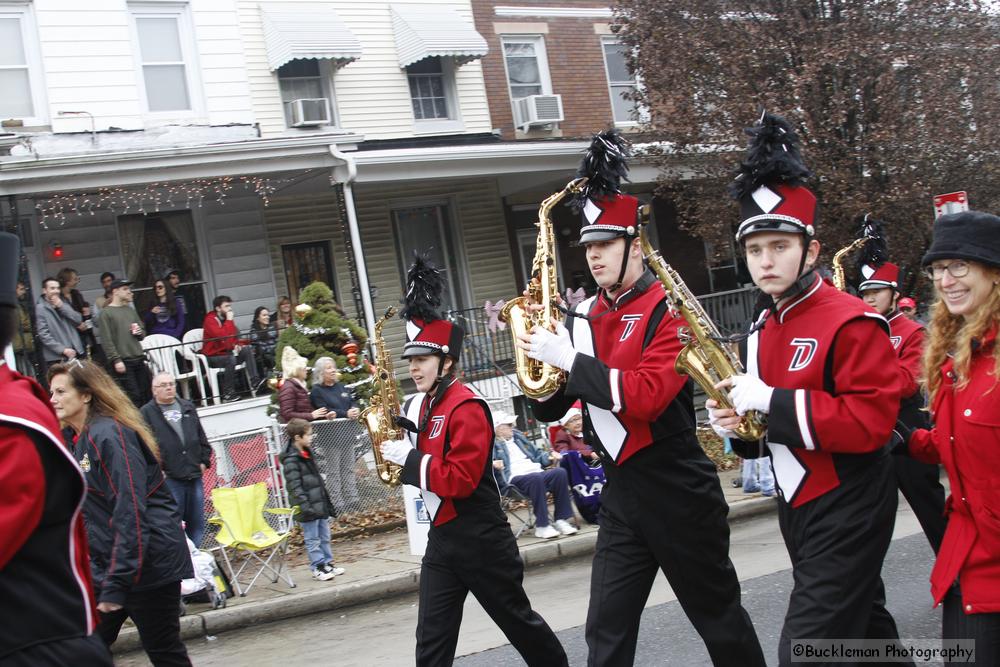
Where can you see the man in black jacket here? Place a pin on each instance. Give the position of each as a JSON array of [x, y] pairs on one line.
[[184, 448]]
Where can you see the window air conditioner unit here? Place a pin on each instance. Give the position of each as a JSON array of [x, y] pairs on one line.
[[310, 111], [536, 110]]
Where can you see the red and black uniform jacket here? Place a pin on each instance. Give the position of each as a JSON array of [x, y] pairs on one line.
[[907, 338], [452, 463], [45, 584], [836, 389], [624, 372], [134, 528], [225, 331], [966, 441]]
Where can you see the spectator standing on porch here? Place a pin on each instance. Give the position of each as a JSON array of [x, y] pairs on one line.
[[184, 450], [106, 279], [69, 279], [264, 338], [224, 349], [283, 313], [56, 326], [121, 331], [24, 339]]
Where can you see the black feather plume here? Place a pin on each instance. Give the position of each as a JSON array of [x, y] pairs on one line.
[[772, 157], [604, 166], [875, 251], [424, 288]]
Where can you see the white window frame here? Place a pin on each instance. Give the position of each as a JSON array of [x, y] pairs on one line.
[[185, 30], [641, 113], [326, 74], [437, 125], [540, 54], [33, 60]]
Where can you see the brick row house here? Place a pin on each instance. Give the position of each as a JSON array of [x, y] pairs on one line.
[[260, 145]]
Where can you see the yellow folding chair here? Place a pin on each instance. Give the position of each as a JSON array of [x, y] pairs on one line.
[[244, 530]]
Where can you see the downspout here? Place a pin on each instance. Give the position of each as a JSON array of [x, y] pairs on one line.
[[352, 225]]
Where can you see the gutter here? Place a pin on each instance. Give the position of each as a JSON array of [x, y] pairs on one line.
[[359, 256]]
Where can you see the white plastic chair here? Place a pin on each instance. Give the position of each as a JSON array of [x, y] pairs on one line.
[[193, 344], [161, 356]]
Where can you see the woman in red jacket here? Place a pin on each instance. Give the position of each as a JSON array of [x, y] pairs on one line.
[[293, 397], [962, 371]]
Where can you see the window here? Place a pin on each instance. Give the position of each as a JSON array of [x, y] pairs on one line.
[[621, 83], [306, 263], [305, 79], [163, 36], [20, 68], [425, 229], [527, 66], [429, 89]]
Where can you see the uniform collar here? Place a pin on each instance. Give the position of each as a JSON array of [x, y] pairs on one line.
[[637, 289], [893, 315], [810, 284]]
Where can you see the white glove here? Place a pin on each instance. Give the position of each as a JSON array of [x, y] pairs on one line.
[[554, 349], [396, 451], [750, 393], [719, 430]]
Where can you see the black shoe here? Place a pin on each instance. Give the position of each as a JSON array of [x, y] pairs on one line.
[[229, 398]]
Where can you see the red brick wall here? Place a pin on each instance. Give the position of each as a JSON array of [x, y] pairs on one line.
[[575, 61]]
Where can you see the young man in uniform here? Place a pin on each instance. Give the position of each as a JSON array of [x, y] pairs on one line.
[[48, 613], [470, 546], [919, 482], [820, 366], [662, 507]]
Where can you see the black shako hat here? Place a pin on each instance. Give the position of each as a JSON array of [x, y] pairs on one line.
[[971, 235], [10, 250]]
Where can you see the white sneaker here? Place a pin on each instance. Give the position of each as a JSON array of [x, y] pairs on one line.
[[546, 532], [321, 574], [565, 527], [335, 571]]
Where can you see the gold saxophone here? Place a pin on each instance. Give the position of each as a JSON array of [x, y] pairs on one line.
[[705, 358], [839, 280], [379, 417], [538, 379]]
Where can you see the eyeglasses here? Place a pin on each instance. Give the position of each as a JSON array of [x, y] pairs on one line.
[[164, 385], [957, 269]]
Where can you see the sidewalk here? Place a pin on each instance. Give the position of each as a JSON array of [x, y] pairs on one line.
[[380, 566]]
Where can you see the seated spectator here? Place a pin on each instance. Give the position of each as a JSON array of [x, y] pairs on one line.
[[283, 313], [166, 316], [56, 326], [224, 350], [519, 463], [570, 437], [327, 392], [293, 397], [264, 338]]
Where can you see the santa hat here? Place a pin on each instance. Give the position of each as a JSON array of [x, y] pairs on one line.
[[769, 182], [10, 249], [607, 213], [886, 275], [574, 411], [426, 331]]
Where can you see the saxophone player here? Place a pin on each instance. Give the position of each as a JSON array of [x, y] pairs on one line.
[[662, 507], [821, 366], [470, 546]]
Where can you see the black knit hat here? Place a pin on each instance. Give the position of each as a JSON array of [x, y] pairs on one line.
[[10, 250], [972, 235]]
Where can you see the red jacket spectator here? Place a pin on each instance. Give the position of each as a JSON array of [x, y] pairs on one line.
[[224, 330], [566, 442]]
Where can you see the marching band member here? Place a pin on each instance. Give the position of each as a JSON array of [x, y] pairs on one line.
[[919, 482], [820, 365], [662, 507], [470, 546], [962, 367]]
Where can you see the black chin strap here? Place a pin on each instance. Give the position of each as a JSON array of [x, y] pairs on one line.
[[621, 274], [770, 304]]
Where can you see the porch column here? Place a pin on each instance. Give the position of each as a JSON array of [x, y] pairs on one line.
[[352, 225]]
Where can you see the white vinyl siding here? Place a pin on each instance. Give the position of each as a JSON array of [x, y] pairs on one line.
[[373, 83]]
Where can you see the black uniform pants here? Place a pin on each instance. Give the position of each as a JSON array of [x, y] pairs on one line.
[[983, 628], [837, 543], [921, 486], [480, 557], [668, 514], [87, 651], [156, 614]]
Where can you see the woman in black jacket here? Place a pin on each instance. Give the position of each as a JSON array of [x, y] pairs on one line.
[[138, 554]]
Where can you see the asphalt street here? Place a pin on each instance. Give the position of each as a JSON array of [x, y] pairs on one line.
[[383, 632]]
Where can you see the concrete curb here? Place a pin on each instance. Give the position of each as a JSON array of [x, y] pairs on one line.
[[381, 587]]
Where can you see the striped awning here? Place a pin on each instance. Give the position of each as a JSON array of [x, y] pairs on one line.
[[425, 31], [293, 32]]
